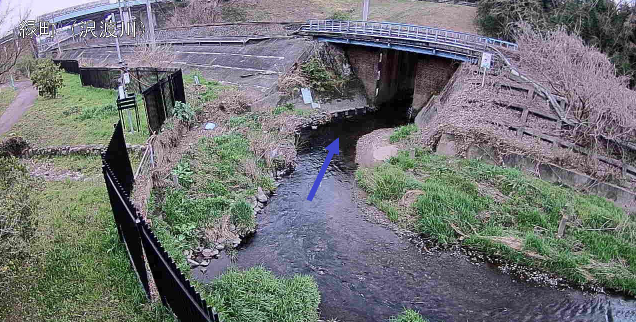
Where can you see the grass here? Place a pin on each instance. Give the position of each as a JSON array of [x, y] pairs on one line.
[[507, 213], [78, 268], [79, 115], [212, 88], [408, 316], [212, 184], [441, 15], [89, 165], [290, 108], [403, 132], [257, 295], [7, 95]]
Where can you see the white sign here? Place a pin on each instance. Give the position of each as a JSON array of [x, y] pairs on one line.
[[126, 78], [122, 93], [486, 59]]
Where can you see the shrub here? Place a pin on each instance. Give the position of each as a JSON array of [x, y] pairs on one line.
[[17, 209], [342, 15], [183, 173], [47, 77], [13, 146], [283, 108], [184, 112], [26, 65], [257, 295], [320, 78], [231, 12]]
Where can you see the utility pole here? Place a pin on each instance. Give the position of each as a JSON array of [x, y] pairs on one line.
[[122, 67], [365, 10], [151, 24]]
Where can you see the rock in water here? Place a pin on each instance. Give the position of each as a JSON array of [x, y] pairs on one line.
[[208, 253], [260, 195]]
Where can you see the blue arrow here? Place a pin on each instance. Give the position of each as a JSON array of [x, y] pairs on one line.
[[333, 148]]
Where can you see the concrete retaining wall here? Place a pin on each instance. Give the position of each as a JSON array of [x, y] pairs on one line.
[[448, 145]]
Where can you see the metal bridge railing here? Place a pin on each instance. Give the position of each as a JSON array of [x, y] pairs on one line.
[[405, 32]]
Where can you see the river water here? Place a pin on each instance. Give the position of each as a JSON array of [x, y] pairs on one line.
[[365, 272]]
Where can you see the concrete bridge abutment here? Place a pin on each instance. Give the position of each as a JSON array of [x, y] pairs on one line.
[[399, 79]]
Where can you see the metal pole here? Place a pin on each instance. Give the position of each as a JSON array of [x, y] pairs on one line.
[[365, 10], [151, 23]]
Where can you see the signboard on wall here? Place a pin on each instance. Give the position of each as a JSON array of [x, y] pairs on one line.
[[486, 60]]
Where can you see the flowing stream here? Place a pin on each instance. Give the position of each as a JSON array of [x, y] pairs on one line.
[[366, 272]]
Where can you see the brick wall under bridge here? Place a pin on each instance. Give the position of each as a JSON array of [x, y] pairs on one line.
[[395, 76]]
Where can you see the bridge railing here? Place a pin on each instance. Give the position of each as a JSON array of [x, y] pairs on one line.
[[405, 32]]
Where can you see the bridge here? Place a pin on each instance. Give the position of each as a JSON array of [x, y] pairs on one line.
[[413, 38]]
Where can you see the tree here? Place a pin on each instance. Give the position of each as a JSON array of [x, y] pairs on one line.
[[13, 46], [47, 77]]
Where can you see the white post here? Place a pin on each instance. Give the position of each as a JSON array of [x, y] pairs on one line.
[[365, 10], [151, 23]]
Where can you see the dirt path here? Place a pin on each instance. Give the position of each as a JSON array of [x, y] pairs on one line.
[[22, 102]]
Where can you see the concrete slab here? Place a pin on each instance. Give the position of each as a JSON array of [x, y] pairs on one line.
[[256, 65]]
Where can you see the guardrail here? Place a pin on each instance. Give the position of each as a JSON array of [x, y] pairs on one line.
[[398, 31]]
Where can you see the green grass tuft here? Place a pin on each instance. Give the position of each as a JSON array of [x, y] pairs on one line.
[[408, 315], [403, 132], [257, 295]]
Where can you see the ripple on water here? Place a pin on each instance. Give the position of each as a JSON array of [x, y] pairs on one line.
[[365, 272]]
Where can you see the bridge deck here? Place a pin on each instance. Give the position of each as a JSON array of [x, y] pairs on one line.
[[433, 41]]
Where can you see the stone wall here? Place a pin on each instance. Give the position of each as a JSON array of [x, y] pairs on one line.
[[432, 74], [95, 149]]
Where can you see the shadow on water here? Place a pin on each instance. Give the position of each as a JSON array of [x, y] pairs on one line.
[[365, 272]]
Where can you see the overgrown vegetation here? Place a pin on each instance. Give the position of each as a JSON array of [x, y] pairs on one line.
[[26, 65], [212, 184], [184, 112], [194, 12], [607, 25], [509, 214], [78, 267], [342, 15], [232, 12], [18, 212], [408, 316], [403, 132], [47, 77], [257, 295], [320, 78], [79, 115]]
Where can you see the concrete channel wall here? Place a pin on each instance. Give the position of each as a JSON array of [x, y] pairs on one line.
[[448, 146]]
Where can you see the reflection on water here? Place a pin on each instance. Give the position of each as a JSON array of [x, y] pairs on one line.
[[366, 273]]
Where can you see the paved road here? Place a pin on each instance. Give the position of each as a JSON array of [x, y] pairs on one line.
[[22, 102]]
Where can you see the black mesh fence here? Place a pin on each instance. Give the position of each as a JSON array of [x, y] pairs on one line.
[[161, 98], [142, 245], [161, 88], [69, 66], [100, 77]]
